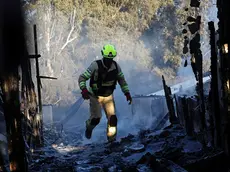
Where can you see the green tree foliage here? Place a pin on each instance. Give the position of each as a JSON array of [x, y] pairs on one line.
[[147, 35]]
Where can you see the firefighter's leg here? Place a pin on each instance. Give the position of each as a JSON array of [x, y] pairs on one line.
[[95, 116], [109, 108]]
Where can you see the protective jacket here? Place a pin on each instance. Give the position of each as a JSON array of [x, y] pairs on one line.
[[103, 80]]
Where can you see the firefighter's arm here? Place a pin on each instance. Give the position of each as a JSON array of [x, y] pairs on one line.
[[86, 75], [123, 84], [121, 80]]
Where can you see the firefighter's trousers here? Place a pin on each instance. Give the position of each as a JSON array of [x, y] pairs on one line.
[[108, 104]]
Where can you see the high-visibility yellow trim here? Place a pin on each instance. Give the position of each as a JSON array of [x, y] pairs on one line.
[[120, 75], [82, 84], [125, 88], [87, 74]]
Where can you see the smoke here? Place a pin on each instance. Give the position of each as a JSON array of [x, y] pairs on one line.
[[135, 59], [185, 72], [131, 57]]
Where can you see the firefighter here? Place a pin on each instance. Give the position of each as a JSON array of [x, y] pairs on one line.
[[104, 75]]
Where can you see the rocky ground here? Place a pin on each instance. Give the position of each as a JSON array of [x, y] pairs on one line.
[[164, 150]]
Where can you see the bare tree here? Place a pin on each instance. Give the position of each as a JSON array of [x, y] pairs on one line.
[[57, 31]]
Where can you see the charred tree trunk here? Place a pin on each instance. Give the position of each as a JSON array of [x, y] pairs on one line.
[[14, 121], [195, 49], [224, 40], [193, 24], [194, 45], [12, 53], [28, 104], [4, 156], [214, 97]]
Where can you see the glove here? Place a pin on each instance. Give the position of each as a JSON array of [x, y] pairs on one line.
[[128, 97], [85, 94]]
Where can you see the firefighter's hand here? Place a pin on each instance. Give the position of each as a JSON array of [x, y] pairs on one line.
[[128, 98], [85, 94]]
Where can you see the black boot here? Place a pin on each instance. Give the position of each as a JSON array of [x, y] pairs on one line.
[[111, 139], [90, 125], [88, 131]]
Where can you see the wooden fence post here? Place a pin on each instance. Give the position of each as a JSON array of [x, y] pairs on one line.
[[170, 104]]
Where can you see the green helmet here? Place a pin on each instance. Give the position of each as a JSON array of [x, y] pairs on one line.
[[109, 51]]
